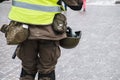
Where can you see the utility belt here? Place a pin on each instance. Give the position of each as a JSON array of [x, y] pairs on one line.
[[17, 32]]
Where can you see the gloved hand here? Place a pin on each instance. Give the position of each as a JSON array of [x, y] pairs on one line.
[[3, 0], [74, 4]]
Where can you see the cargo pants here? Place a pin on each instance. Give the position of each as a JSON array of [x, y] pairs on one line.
[[38, 56]]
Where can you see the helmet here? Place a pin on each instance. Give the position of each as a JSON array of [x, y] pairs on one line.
[[71, 40]]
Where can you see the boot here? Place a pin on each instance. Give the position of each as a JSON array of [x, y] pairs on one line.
[[26, 76], [50, 76]]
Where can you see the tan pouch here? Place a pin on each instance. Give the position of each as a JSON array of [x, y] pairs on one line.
[[16, 33], [59, 23]]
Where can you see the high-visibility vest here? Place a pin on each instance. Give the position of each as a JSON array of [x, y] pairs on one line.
[[38, 12]]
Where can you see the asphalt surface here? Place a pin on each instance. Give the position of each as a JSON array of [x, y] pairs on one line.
[[97, 57]]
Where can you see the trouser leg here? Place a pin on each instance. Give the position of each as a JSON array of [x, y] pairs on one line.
[[45, 62], [49, 52], [28, 55]]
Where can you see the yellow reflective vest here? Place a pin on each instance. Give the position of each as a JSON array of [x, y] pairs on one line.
[[38, 12]]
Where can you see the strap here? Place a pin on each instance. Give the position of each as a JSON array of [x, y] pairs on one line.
[[36, 7]]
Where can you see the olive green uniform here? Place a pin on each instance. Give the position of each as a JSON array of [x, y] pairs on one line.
[[41, 51]]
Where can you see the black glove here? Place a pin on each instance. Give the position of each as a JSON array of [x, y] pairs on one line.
[[1, 1], [74, 4], [76, 7]]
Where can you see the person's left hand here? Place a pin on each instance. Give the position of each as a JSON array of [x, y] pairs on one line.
[[3, 0], [74, 4]]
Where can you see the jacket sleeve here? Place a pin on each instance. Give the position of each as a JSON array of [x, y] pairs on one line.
[[74, 4]]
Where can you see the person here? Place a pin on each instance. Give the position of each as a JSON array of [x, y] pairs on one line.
[[84, 5], [41, 51]]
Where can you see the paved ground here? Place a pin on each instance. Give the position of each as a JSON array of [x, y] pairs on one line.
[[97, 57]]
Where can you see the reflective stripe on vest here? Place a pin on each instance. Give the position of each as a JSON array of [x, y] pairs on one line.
[[36, 7]]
